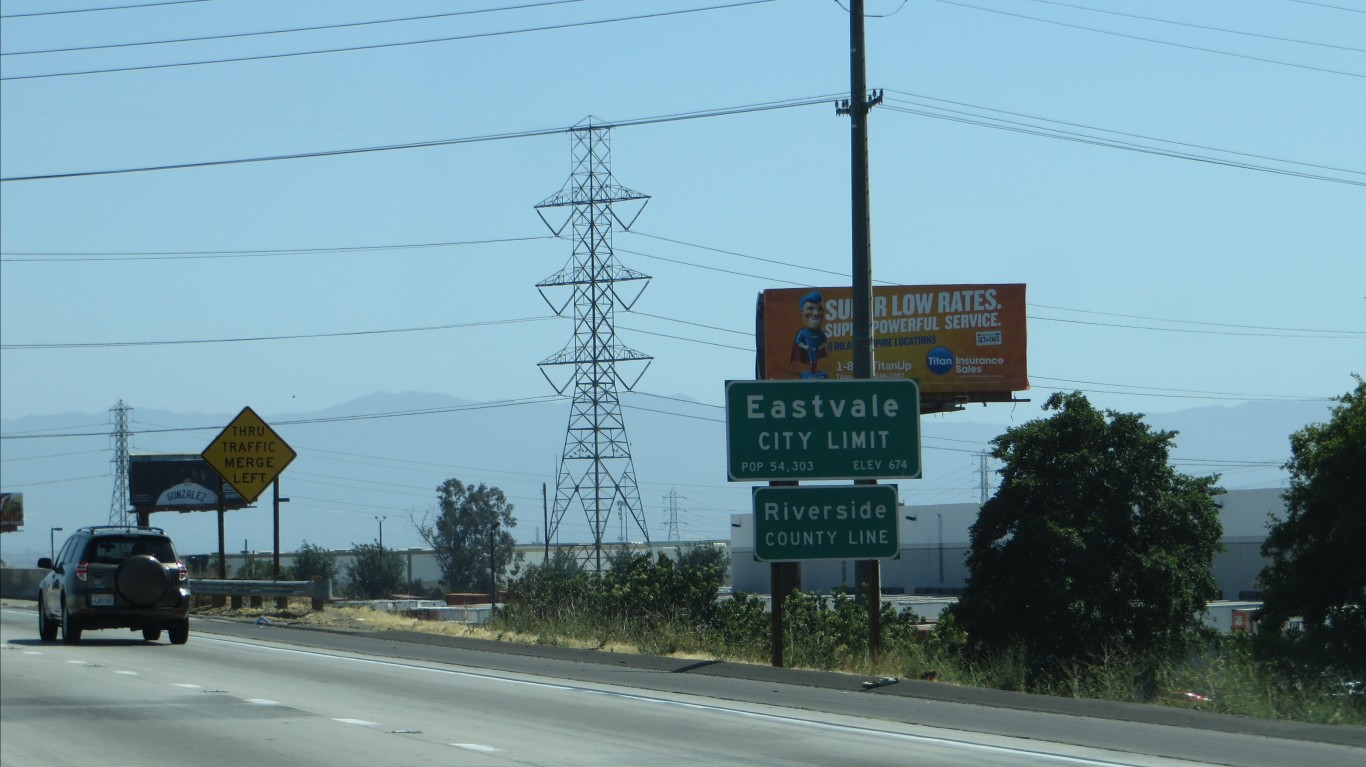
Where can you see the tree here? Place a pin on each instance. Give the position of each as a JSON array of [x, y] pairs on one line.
[[375, 573], [469, 536], [312, 561], [255, 569], [1318, 552], [1092, 544], [706, 555]]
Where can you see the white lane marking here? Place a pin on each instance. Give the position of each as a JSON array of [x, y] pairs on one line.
[[186, 685], [127, 673], [362, 722], [477, 747], [1028, 753], [32, 652], [262, 702]]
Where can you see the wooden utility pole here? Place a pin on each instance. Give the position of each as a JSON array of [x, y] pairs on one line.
[[867, 573]]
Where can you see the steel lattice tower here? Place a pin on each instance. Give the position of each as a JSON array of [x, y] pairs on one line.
[[118, 502], [596, 473], [671, 507]]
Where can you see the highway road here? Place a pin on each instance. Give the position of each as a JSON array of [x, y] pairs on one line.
[[239, 694]]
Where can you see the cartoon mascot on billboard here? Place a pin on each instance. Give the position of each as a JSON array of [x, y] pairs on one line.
[[809, 345]]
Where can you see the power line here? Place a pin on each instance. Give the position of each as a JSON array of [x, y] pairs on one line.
[[1198, 322], [1204, 327], [953, 116], [701, 114], [1328, 5], [238, 35], [1198, 26], [299, 156], [95, 10], [319, 420], [1183, 391], [175, 255], [1347, 333], [1032, 130], [244, 339], [1152, 40], [378, 46], [1108, 130], [1332, 334]]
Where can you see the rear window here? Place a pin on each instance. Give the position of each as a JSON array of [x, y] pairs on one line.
[[113, 551]]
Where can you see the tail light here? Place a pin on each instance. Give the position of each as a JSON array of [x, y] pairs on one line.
[[184, 573], [82, 570]]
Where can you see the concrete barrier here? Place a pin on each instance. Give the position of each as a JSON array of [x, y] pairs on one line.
[[20, 582]]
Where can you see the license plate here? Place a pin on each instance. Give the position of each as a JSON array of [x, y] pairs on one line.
[[101, 600]]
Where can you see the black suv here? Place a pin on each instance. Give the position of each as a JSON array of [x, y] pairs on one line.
[[115, 576]]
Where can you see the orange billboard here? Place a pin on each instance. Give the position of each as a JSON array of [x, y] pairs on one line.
[[958, 341]]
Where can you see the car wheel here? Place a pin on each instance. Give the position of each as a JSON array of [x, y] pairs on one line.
[[142, 580], [151, 635], [47, 628], [179, 631], [71, 630]]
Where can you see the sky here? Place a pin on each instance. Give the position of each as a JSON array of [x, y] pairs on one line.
[[1182, 188]]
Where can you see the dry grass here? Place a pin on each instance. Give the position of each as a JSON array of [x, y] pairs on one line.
[[299, 612]]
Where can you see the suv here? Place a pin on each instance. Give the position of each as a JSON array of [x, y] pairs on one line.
[[115, 576]]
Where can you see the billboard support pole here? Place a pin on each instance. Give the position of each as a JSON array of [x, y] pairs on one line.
[[219, 601], [276, 547], [283, 602]]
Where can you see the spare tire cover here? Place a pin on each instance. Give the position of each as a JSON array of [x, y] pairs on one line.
[[141, 580]]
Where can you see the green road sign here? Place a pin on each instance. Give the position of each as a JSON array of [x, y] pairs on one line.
[[840, 429], [825, 522]]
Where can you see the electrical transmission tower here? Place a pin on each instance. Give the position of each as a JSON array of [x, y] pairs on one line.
[[596, 473], [672, 511], [118, 502]]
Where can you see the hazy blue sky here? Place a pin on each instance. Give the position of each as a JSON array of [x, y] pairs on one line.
[[1182, 186]]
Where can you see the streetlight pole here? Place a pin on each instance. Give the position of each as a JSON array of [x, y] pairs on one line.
[[52, 541], [493, 569], [941, 548]]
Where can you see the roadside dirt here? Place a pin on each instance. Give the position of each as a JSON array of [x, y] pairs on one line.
[[349, 618]]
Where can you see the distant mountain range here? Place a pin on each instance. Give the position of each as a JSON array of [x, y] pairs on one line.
[[374, 463]]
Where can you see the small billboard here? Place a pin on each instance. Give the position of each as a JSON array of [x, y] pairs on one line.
[[177, 483], [11, 512], [962, 343]]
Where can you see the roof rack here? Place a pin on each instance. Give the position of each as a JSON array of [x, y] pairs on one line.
[[139, 528]]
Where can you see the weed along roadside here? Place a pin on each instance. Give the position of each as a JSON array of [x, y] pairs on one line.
[[824, 633]]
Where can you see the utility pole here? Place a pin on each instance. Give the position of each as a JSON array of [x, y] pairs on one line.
[[858, 106]]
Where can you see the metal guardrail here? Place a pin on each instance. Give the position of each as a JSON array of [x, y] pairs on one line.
[[319, 590]]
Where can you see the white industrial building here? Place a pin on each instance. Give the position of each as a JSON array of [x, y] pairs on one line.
[[934, 546]]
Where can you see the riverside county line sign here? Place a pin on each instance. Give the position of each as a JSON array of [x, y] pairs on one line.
[[825, 522], [248, 454], [822, 429]]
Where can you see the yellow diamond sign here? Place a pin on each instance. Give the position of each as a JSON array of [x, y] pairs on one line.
[[249, 455]]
